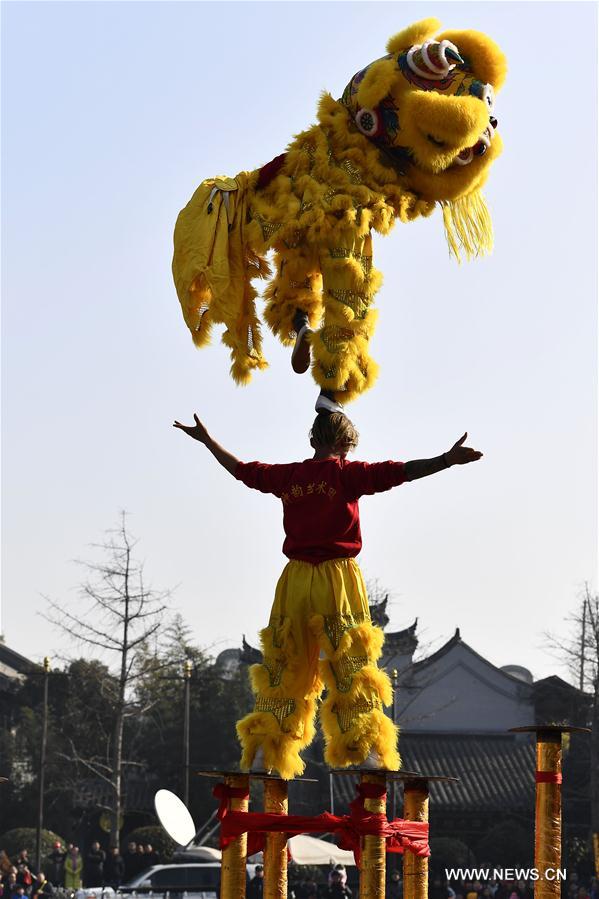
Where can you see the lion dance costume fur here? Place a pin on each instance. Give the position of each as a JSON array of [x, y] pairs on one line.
[[412, 130]]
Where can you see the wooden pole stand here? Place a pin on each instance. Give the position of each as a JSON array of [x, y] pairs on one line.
[[233, 861], [275, 850], [548, 806], [415, 867], [234, 856], [374, 855]]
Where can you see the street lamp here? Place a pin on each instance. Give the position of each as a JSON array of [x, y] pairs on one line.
[[187, 672], [40, 816]]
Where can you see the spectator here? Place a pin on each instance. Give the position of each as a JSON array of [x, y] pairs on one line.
[[5, 863], [340, 869], [114, 869], [512, 890], [18, 892], [306, 888], [151, 856], [94, 866], [24, 877], [73, 868], [255, 888], [41, 888], [130, 860], [338, 889], [56, 861], [141, 858]]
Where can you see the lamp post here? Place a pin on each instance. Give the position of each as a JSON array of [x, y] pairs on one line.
[[44, 738], [187, 671]]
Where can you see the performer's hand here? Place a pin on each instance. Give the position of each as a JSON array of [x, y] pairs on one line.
[[460, 454], [197, 431]]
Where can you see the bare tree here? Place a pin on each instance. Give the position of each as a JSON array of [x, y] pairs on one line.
[[116, 617], [580, 651]]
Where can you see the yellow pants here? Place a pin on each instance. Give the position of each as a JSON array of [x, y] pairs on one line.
[[320, 635]]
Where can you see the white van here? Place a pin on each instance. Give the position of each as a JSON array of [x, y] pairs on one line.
[[197, 881]]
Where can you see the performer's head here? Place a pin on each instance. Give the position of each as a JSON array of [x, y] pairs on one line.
[[333, 434]]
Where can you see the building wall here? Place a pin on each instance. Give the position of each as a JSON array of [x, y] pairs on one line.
[[460, 692]]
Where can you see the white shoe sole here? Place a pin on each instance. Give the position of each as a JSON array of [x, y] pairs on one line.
[[372, 761], [324, 404], [259, 765]]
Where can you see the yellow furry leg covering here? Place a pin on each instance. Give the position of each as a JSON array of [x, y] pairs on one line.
[[342, 362], [297, 285], [319, 608], [287, 687], [352, 715]]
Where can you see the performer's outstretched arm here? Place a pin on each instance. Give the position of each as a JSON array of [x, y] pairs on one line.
[[457, 455], [199, 432]]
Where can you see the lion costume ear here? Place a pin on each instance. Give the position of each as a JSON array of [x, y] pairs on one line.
[[377, 82], [413, 34], [483, 56]]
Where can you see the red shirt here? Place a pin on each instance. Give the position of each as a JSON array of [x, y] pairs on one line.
[[320, 501]]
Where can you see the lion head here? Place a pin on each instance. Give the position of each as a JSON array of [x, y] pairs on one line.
[[429, 105]]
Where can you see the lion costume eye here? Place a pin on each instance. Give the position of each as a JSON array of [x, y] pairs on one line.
[[485, 93], [465, 157], [489, 96], [433, 60], [368, 122]]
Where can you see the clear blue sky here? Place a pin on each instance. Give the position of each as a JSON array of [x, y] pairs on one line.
[[112, 114]]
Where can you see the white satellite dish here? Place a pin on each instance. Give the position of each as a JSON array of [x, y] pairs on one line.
[[174, 817]]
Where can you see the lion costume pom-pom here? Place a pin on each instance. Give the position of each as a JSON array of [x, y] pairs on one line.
[[413, 130]]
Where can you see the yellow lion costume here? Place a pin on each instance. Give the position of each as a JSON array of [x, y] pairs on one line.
[[412, 130]]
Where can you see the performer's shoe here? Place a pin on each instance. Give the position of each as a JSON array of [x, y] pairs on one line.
[[372, 760], [259, 765], [300, 357], [326, 403]]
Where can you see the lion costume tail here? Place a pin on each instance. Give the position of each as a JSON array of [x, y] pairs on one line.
[[213, 268]]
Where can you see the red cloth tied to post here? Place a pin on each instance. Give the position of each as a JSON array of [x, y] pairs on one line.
[[225, 793], [548, 777], [400, 835]]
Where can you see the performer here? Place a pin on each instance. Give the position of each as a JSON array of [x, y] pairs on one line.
[[321, 605]]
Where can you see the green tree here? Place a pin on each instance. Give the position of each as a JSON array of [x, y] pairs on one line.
[[77, 713], [216, 703]]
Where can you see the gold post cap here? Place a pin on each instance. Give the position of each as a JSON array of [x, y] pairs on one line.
[[254, 775], [550, 729], [396, 775]]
